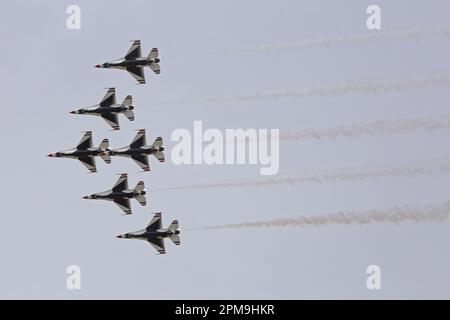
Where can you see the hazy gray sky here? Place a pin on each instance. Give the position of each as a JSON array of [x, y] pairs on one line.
[[46, 226]]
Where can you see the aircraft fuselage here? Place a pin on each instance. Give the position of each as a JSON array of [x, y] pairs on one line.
[[123, 63], [126, 194], [128, 152], [78, 153], [116, 108], [161, 233]]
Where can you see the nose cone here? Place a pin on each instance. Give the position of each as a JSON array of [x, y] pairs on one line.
[[87, 197], [50, 155], [73, 112], [120, 236]]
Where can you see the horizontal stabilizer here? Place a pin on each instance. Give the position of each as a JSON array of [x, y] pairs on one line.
[[141, 199], [174, 226], [106, 157], [156, 68], [128, 101], [160, 156], [154, 53], [104, 145], [175, 238], [140, 186], [129, 114]]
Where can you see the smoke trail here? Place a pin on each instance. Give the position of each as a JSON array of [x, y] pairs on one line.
[[441, 122], [432, 213], [387, 170], [413, 33], [373, 87]]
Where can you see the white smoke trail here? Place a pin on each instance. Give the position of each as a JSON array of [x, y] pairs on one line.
[[427, 124], [372, 87], [431, 213], [387, 170], [413, 33]]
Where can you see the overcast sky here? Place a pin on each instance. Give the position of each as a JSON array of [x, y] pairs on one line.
[[47, 70]]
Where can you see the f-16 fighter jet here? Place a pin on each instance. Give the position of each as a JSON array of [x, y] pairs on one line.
[[121, 195], [85, 152], [138, 150], [134, 63], [108, 109], [155, 234]]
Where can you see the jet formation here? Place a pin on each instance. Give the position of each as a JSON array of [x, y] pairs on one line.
[[155, 234], [138, 150]]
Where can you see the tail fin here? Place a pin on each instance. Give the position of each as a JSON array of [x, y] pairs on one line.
[[128, 101], [140, 186], [173, 226], [154, 53]]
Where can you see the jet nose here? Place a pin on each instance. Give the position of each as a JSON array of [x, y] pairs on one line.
[[50, 155], [97, 66], [119, 236], [86, 197], [73, 111]]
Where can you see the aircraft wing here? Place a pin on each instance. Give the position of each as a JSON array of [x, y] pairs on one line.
[[158, 244], [155, 223], [137, 73], [142, 161], [88, 162], [124, 204], [134, 51], [112, 120], [121, 184], [86, 141], [139, 140], [109, 98]]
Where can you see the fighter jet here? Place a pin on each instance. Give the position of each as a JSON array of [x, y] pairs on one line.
[[134, 63], [108, 109], [155, 234], [121, 195], [138, 150], [85, 152]]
